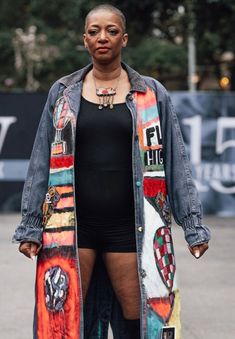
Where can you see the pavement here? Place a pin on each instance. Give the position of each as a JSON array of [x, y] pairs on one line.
[[207, 285]]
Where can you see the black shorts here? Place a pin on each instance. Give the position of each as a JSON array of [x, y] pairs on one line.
[[116, 235]]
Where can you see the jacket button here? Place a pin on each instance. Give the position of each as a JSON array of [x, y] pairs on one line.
[[131, 97], [138, 183], [140, 229]]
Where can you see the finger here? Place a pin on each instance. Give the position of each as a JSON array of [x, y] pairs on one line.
[[24, 248], [33, 250], [195, 251], [38, 249], [29, 249], [203, 248]]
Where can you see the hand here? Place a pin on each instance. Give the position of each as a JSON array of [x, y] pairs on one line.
[[198, 250], [30, 249]]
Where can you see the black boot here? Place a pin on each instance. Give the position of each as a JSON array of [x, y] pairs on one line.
[[133, 328]]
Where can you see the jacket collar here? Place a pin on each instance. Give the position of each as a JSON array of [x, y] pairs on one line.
[[136, 80]]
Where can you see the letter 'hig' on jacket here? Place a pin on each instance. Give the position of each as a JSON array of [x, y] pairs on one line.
[[59, 305]]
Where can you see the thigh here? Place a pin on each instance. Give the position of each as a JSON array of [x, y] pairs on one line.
[[123, 272], [87, 259]]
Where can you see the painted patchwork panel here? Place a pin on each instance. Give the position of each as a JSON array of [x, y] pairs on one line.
[[60, 220], [65, 176], [58, 207], [58, 238], [156, 194], [57, 296], [58, 292], [160, 285], [149, 131], [62, 116], [61, 163], [162, 319], [154, 284], [162, 306], [164, 255]]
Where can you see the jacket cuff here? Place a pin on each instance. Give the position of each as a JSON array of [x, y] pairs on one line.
[[29, 230], [195, 233]]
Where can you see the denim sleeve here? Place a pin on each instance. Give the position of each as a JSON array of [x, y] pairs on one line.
[[35, 186], [183, 196]]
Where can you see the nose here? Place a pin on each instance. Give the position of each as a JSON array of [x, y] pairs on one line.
[[102, 36]]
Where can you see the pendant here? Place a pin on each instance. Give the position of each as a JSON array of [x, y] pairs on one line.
[[105, 91], [105, 97]]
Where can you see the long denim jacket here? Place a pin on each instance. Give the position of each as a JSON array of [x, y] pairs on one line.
[[59, 310]]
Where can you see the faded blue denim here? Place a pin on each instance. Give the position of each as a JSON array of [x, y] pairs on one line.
[[183, 196]]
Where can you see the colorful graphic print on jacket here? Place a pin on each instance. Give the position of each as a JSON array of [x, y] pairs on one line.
[[57, 295], [164, 256], [149, 131], [160, 285], [58, 292], [58, 289]]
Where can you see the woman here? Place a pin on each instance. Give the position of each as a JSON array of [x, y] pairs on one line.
[[103, 237]]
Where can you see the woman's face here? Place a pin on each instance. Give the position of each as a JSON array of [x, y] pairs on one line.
[[104, 36]]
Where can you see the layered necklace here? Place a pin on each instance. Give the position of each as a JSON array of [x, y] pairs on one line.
[[106, 94]]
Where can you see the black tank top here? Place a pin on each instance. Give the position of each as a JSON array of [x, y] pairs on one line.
[[103, 163]]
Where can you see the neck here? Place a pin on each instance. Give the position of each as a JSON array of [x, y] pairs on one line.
[[106, 72]]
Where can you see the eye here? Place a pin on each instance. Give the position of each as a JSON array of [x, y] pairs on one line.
[[92, 32], [113, 31]]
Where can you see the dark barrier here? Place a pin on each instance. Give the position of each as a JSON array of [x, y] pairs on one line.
[[208, 125], [19, 118]]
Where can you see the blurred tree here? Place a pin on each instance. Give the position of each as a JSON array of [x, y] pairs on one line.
[[158, 33], [214, 33], [31, 49]]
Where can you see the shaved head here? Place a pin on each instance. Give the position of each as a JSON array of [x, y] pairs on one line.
[[108, 8]]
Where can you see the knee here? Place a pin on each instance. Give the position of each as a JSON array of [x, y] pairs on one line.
[[131, 310], [131, 315]]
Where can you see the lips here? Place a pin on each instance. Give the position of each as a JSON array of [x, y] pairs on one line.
[[103, 49]]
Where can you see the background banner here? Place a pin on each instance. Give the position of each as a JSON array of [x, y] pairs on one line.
[[208, 126], [19, 117], [207, 121]]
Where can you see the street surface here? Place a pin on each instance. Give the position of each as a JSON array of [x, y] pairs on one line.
[[207, 285]]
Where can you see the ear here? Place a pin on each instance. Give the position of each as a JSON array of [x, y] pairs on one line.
[[124, 39], [84, 40]]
